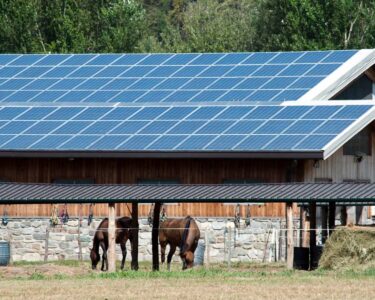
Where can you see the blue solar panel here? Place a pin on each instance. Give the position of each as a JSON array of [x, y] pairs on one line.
[[50, 142], [52, 60], [100, 127], [158, 127], [32, 72], [196, 142], [339, 56], [120, 113], [254, 142], [177, 113], [238, 75], [21, 142], [93, 113], [284, 142], [7, 72], [74, 96], [314, 142], [166, 142], [187, 127], [208, 96], [78, 59], [64, 113], [286, 57], [22, 96], [333, 127], [178, 128], [48, 96], [244, 127], [215, 127], [225, 142], [104, 59], [129, 127], [109, 142], [72, 127], [43, 127], [7, 58], [79, 142], [138, 142], [130, 59], [149, 113], [273, 127], [153, 96]]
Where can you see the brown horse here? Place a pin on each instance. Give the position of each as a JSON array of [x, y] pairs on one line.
[[123, 234], [182, 233]]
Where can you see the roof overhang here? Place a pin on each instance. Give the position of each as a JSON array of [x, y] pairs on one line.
[[22, 193], [342, 76]]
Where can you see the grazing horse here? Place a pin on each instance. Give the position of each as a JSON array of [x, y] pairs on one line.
[[182, 233], [123, 234]]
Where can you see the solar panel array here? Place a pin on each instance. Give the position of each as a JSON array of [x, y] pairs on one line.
[[165, 78], [174, 128]]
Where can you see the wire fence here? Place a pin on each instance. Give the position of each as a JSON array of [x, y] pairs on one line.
[[220, 242]]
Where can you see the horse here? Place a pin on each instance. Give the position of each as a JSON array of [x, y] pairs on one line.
[[182, 233], [123, 234]]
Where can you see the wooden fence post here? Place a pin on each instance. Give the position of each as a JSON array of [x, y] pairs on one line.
[[312, 235], [111, 237], [155, 237], [135, 233], [290, 240], [46, 245]]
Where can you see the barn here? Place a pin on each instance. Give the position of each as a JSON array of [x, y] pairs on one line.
[[158, 121]]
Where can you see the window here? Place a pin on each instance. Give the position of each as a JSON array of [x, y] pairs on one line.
[[241, 181], [360, 144], [361, 89]]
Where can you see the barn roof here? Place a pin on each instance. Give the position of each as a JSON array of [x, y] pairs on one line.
[[18, 193], [181, 105]]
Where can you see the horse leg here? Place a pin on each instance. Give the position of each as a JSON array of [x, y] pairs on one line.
[[163, 245], [172, 250], [104, 256], [123, 250]]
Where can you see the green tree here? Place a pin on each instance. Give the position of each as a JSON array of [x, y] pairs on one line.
[[315, 24]]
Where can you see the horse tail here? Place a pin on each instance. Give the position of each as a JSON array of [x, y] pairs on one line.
[[185, 234]]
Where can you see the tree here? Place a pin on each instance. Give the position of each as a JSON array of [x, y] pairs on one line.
[[315, 24]]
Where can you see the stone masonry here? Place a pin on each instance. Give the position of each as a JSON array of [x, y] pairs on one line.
[[261, 241]]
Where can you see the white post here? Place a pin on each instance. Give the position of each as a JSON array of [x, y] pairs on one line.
[[290, 241], [111, 237]]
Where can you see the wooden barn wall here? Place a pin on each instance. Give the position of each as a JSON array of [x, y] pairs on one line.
[[121, 171]]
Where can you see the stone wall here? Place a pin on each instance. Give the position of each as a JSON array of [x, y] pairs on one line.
[[262, 240]]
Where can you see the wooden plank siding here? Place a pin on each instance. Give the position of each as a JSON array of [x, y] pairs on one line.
[[130, 171]]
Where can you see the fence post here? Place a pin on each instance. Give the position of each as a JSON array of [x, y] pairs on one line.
[[312, 235], [46, 245], [229, 246], [155, 237], [111, 237], [207, 242], [290, 240], [135, 236]]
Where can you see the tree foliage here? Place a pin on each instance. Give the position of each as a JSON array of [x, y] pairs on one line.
[[61, 26]]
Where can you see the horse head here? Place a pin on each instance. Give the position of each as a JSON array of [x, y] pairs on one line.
[[95, 258], [187, 260]]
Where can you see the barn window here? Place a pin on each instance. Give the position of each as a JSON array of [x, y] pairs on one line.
[[360, 144], [361, 89]]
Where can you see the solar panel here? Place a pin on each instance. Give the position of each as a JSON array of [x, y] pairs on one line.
[[126, 77], [176, 128]]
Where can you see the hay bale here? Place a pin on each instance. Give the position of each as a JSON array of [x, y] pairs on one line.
[[349, 248]]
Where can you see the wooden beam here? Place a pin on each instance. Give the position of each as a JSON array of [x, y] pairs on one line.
[[111, 237], [312, 235], [290, 240], [155, 237], [324, 218], [134, 236], [331, 217]]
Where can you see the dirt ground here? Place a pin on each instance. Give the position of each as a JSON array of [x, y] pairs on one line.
[[77, 281]]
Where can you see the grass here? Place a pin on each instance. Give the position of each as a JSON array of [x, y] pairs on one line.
[[75, 280]]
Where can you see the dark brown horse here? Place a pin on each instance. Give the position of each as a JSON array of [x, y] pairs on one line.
[[123, 234], [182, 233]]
